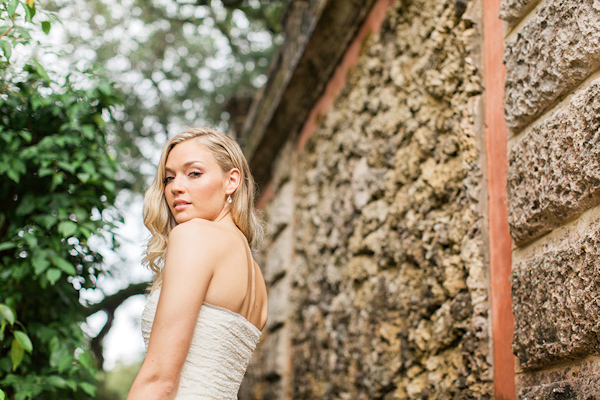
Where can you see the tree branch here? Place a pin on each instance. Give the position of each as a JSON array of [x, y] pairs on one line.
[[112, 302], [6, 32], [226, 3], [232, 3], [109, 305]]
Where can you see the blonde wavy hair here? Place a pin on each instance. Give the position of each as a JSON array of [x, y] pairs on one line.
[[157, 215]]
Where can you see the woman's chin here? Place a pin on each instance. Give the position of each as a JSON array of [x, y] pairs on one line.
[[185, 218], [180, 219]]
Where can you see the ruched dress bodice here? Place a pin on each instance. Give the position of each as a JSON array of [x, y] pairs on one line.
[[221, 348]]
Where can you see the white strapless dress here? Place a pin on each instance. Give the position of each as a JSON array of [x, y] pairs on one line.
[[221, 349]]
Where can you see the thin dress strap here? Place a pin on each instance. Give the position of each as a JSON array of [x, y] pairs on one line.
[[251, 292]]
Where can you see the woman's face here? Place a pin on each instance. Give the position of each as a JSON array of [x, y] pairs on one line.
[[195, 185]]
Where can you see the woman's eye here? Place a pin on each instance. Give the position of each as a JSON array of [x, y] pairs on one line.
[[195, 174], [168, 179]]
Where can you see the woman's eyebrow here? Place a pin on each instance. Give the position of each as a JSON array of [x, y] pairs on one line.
[[187, 164]]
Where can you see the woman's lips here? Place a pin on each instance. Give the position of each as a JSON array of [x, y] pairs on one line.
[[180, 206]]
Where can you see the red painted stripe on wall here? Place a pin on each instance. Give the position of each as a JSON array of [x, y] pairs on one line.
[[500, 241], [337, 82]]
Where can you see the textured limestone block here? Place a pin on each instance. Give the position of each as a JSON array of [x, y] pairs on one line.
[[281, 209], [578, 380], [360, 268], [279, 257], [366, 182], [556, 304], [583, 389], [275, 366], [513, 10], [283, 166], [279, 304], [554, 172], [553, 53]]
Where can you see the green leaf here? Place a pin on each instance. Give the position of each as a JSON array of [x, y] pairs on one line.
[[88, 167], [88, 388], [88, 132], [67, 228], [7, 245], [46, 27], [23, 33], [109, 185], [26, 207], [66, 166], [19, 166], [4, 275], [45, 172], [5, 365], [57, 179], [41, 71], [53, 275], [40, 263], [60, 357], [97, 117], [36, 102], [6, 48], [29, 11], [7, 136], [12, 7], [26, 135], [7, 313], [88, 362], [104, 88], [81, 214], [86, 232], [31, 240], [57, 381], [47, 221], [64, 265], [13, 175], [3, 396], [16, 353], [24, 341], [83, 177]]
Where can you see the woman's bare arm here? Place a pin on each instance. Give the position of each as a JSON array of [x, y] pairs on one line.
[[193, 253]]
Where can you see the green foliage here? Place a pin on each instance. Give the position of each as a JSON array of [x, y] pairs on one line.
[[177, 63], [57, 185], [14, 16]]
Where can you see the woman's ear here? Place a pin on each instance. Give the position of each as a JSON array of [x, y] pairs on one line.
[[233, 180]]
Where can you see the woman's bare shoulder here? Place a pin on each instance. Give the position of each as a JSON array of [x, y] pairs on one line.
[[199, 234]]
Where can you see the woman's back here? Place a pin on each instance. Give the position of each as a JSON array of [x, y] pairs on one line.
[[237, 284]]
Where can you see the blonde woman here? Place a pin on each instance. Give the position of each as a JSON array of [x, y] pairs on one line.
[[208, 303]]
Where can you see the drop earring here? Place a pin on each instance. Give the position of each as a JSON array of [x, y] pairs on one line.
[[229, 199]]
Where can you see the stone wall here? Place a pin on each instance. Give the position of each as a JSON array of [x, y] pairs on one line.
[[376, 256], [269, 375], [551, 102]]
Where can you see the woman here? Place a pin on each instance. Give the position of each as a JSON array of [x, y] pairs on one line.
[[208, 303]]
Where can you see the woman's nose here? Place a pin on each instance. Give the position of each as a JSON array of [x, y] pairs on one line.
[[177, 185]]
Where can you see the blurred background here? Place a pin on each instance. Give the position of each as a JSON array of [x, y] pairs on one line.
[[89, 91]]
